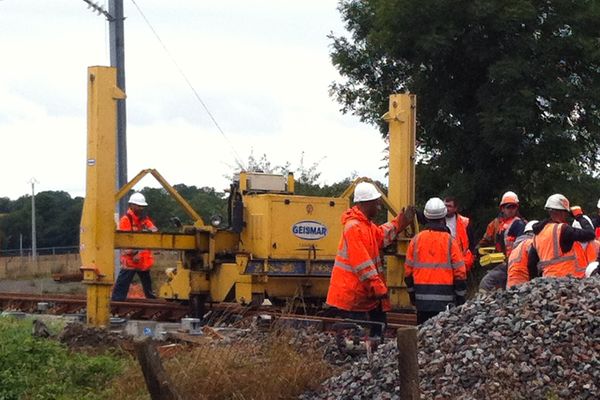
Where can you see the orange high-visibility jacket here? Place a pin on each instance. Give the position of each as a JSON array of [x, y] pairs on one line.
[[517, 263], [585, 253], [357, 281], [435, 272], [463, 240], [131, 222], [553, 262], [496, 233]]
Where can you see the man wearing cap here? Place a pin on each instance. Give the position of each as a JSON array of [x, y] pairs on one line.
[[135, 261], [357, 287], [552, 253], [507, 227], [434, 272]]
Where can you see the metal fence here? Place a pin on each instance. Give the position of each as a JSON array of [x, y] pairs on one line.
[[41, 251]]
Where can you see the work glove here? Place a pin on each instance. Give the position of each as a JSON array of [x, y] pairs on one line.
[[406, 217], [576, 211]]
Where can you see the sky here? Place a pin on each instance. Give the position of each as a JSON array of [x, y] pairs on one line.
[[261, 66]]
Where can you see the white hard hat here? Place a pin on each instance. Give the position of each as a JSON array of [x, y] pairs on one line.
[[591, 269], [138, 199], [509, 198], [598, 205], [577, 225], [557, 202], [365, 191], [435, 208], [529, 226]]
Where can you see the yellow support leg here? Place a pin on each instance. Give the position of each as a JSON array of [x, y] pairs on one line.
[[97, 237]]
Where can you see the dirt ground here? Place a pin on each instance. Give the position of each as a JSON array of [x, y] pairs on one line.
[[40, 286]]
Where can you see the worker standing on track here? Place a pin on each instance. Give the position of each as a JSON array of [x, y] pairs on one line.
[[357, 288], [461, 230], [435, 272], [506, 228], [552, 253], [135, 261], [517, 262]]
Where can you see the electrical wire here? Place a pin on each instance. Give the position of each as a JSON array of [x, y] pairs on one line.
[[189, 83]]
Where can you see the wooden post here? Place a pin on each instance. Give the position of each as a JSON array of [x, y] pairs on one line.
[[408, 363], [157, 380]]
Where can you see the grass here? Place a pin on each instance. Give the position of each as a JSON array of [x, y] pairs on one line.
[[34, 368], [250, 368]]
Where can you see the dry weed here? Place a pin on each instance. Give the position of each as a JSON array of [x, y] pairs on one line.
[[260, 369]]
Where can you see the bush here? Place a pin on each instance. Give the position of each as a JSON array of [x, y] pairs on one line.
[[34, 368]]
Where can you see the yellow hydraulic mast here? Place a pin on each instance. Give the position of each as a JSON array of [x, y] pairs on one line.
[[97, 236], [401, 119]]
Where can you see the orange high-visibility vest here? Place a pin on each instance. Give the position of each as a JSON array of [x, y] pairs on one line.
[[434, 270], [553, 262], [463, 240], [357, 281], [145, 258], [585, 253], [517, 264]]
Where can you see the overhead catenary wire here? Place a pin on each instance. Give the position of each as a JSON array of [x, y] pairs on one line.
[[190, 85]]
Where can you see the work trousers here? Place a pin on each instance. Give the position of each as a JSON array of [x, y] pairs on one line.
[[423, 316], [124, 280], [375, 315]]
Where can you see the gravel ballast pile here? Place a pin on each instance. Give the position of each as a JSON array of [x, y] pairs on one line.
[[540, 340]]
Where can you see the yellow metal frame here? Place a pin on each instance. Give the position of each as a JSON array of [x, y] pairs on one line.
[[98, 218]]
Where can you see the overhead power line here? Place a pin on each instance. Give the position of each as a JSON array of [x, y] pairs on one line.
[[191, 86]]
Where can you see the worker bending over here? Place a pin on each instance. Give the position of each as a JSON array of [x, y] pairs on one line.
[[506, 228], [357, 288], [552, 253], [461, 230], [435, 272], [517, 262], [135, 261]]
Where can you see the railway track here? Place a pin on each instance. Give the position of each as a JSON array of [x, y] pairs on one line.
[[160, 310]]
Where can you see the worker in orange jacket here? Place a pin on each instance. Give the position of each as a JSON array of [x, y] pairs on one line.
[[507, 227], [135, 261], [585, 252], [552, 253], [357, 287], [461, 230], [434, 272], [517, 262]]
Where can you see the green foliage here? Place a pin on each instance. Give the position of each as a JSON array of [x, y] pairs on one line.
[[32, 368], [508, 92]]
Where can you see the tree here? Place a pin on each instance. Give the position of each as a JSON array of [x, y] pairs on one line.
[[508, 91]]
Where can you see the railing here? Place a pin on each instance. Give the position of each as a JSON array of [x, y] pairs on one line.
[[41, 251]]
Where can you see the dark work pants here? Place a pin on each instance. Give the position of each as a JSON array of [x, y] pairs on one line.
[[423, 316], [124, 280], [375, 315]]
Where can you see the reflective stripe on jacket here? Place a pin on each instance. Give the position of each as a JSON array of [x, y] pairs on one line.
[[517, 263], [463, 240], [585, 253], [357, 281], [553, 262], [145, 258], [435, 271]]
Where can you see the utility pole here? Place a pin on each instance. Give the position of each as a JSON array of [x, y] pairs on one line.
[[33, 235], [117, 60]]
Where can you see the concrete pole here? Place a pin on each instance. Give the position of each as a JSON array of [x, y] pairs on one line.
[[33, 233], [117, 60]]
